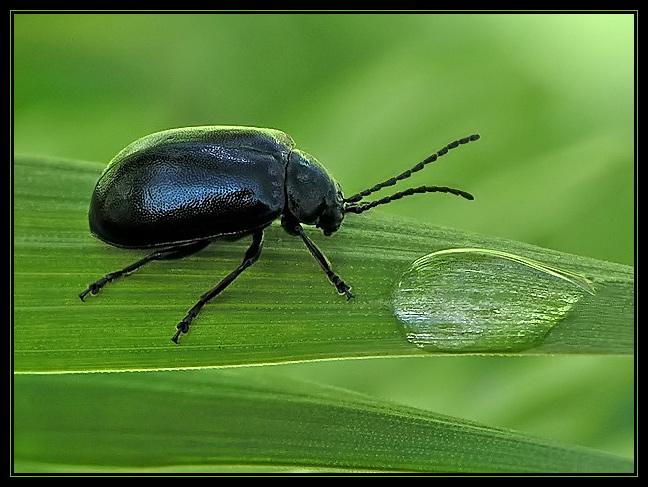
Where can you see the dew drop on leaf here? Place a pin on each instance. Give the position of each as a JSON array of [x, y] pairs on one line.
[[481, 300]]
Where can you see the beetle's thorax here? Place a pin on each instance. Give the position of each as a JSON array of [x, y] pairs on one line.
[[313, 197]]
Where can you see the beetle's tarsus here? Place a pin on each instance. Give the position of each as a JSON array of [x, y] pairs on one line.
[[182, 328], [344, 288], [93, 288]]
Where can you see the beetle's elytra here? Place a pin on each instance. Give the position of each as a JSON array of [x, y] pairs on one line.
[[178, 190]]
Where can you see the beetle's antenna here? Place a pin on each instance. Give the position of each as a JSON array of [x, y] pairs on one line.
[[390, 182], [355, 208]]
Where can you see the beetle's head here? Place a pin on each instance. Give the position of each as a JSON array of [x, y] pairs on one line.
[[313, 196]]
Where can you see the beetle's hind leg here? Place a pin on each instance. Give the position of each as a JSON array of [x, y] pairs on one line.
[[251, 256], [165, 254]]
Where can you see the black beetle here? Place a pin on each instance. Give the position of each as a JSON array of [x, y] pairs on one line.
[[180, 189]]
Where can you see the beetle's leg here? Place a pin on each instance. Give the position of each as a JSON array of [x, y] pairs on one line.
[[251, 256], [166, 254], [340, 285]]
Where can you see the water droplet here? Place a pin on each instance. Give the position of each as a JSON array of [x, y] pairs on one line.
[[481, 300]]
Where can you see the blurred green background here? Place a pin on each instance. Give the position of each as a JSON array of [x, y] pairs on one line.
[[371, 95]]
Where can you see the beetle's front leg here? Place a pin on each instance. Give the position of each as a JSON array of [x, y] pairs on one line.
[[341, 286]]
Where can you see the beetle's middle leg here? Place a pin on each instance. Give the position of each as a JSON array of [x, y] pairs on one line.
[[251, 256], [341, 286], [176, 252]]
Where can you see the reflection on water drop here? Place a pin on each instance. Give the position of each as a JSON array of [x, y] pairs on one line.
[[481, 300]]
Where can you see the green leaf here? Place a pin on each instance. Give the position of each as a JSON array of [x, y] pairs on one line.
[[215, 420], [358, 91], [283, 309]]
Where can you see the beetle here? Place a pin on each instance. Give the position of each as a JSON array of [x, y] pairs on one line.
[[176, 191]]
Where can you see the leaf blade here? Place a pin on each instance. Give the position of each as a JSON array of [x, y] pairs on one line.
[[282, 309], [204, 419]]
